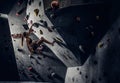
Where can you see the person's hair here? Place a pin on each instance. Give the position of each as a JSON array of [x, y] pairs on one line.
[[24, 34]]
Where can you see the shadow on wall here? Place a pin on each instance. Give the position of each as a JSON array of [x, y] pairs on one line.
[[69, 28]]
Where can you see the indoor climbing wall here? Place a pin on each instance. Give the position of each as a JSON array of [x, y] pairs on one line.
[[103, 67], [45, 67], [60, 49]]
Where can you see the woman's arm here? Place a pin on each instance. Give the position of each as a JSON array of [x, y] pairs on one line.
[[29, 46], [30, 30]]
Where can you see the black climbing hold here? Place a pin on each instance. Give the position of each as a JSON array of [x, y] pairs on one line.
[[39, 58], [20, 50], [86, 77], [53, 27], [41, 21], [32, 57], [45, 24], [104, 74], [25, 26], [77, 68], [108, 40], [49, 68], [99, 79], [39, 15], [95, 62], [73, 79], [92, 81], [12, 24], [21, 11], [49, 29], [58, 39], [80, 72], [40, 3], [30, 1], [41, 32], [27, 16], [50, 77], [36, 25]]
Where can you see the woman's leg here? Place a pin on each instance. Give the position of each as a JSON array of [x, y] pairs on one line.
[[16, 35]]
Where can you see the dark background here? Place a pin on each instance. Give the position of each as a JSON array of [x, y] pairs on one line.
[[8, 68]]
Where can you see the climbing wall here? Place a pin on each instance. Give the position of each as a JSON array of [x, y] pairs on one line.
[[45, 67], [60, 49], [102, 67]]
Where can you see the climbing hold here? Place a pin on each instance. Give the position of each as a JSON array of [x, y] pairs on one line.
[[92, 81], [41, 32], [77, 68], [99, 79], [39, 15], [53, 74], [45, 24], [36, 25], [40, 3], [80, 72], [55, 4], [12, 24], [104, 74], [73, 79], [108, 40], [20, 2], [30, 1], [59, 39], [27, 17], [20, 11], [30, 68], [92, 33], [49, 68], [95, 62], [49, 29], [20, 50], [81, 48], [86, 77], [36, 11], [25, 26], [97, 17], [39, 58], [100, 45], [41, 21], [52, 16], [78, 18]]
